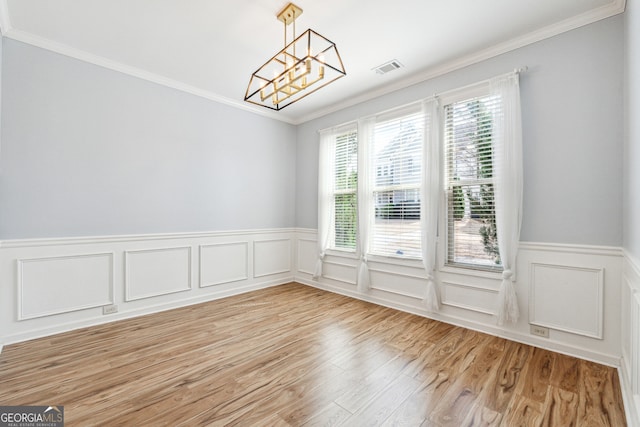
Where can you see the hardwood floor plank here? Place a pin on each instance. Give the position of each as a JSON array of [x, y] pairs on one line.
[[416, 409], [481, 416], [599, 403], [363, 392], [537, 375], [385, 403], [331, 415], [566, 374], [500, 389], [523, 412], [292, 355], [477, 370], [561, 409]]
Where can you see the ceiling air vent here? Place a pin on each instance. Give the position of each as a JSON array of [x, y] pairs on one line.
[[388, 66]]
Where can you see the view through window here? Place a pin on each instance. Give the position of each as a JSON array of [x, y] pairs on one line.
[[396, 166], [471, 220]]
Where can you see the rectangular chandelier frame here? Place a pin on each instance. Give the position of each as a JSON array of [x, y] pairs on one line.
[[288, 77]]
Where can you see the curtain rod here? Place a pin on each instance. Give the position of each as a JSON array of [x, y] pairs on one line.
[[515, 71]]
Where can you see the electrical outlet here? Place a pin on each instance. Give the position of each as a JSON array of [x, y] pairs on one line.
[[110, 309], [540, 331]]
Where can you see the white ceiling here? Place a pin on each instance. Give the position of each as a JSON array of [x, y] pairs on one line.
[[210, 48]]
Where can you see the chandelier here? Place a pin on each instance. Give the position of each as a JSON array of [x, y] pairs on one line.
[[303, 66]]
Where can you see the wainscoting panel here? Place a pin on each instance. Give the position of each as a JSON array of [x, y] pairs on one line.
[[306, 255], [630, 367], [466, 299], [61, 284], [271, 257], [223, 263], [475, 298], [590, 278], [339, 271], [388, 280], [50, 286], [154, 272], [635, 343], [567, 298]]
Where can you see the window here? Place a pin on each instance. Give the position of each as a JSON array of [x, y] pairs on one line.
[[395, 153], [345, 186], [471, 220]]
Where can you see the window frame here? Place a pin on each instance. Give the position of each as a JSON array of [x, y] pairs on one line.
[[457, 95], [398, 113], [339, 131]]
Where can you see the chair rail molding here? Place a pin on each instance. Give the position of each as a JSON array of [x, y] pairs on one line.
[[56, 285]]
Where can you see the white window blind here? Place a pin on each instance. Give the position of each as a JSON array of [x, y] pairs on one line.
[[345, 177], [471, 221], [396, 166]]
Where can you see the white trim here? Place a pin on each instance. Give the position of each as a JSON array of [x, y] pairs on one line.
[[445, 301], [543, 343], [149, 309], [20, 284], [114, 289], [471, 286], [631, 410], [63, 49], [307, 231], [340, 264], [614, 8], [88, 240], [632, 263], [298, 254], [599, 272], [572, 248], [5, 21], [398, 273], [234, 279], [270, 273], [398, 261], [629, 375], [127, 289], [396, 292]]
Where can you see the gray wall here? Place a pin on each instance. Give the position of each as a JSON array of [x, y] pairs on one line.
[[632, 131], [88, 151], [572, 123]]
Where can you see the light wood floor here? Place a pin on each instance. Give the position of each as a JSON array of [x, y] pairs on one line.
[[293, 356]]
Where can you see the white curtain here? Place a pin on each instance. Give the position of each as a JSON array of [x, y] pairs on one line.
[[326, 202], [429, 199], [507, 170], [365, 200]]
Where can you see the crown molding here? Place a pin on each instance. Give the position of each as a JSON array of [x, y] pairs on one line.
[[5, 22], [613, 8], [63, 49]]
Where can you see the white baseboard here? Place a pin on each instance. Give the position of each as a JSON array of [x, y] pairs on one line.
[[631, 409], [99, 320], [555, 346], [56, 285], [630, 366], [589, 277], [217, 264]]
